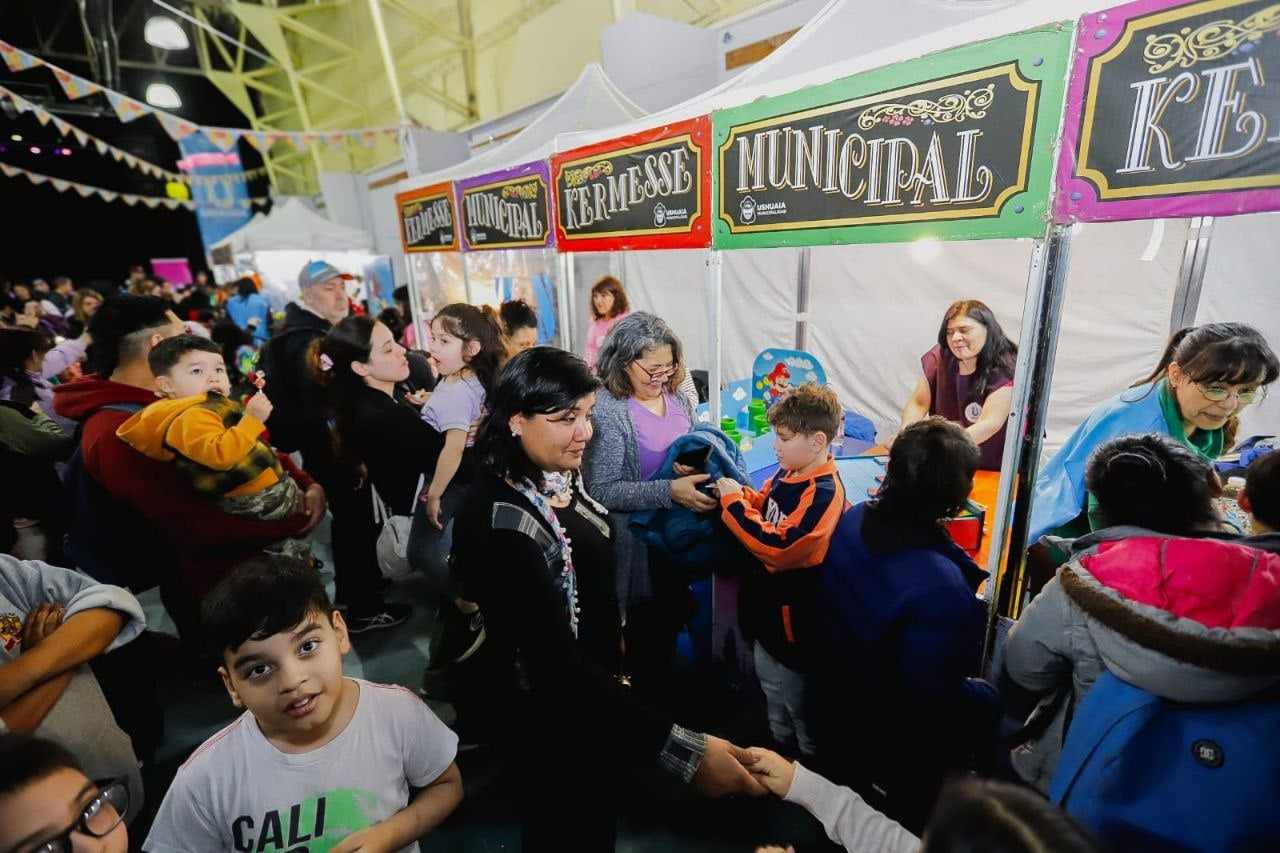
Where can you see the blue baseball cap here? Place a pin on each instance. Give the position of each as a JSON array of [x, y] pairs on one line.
[[318, 272]]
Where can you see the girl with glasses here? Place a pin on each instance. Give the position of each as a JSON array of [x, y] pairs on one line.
[[1206, 375], [48, 805]]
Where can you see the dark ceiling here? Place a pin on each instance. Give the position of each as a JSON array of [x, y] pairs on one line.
[[48, 233]]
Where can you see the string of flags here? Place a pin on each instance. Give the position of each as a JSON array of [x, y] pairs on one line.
[[86, 191], [225, 138]]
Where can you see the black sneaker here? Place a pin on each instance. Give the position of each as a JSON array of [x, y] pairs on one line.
[[457, 637], [386, 616]]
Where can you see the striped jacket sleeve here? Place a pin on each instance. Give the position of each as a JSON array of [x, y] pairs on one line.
[[797, 540]]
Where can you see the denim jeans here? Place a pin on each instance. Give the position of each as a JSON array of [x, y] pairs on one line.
[[429, 547], [784, 691]]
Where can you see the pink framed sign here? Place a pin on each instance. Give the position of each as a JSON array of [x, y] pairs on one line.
[[1172, 110]]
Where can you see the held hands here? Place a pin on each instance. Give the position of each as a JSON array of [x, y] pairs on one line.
[[684, 491], [725, 770], [259, 406], [771, 770]]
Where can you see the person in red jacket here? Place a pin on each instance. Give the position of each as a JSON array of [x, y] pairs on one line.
[[183, 525]]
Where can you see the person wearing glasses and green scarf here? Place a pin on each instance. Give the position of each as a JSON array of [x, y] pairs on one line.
[[1206, 376]]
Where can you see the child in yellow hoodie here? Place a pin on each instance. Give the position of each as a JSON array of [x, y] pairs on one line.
[[214, 440]]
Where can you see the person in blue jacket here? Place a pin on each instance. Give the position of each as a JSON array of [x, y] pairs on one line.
[[899, 629], [248, 309], [1206, 375]]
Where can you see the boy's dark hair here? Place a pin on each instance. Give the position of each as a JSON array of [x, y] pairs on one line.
[[517, 314], [1262, 487], [118, 329], [165, 355], [806, 410], [246, 288], [265, 595], [1154, 482], [985, 816], [25, 759]]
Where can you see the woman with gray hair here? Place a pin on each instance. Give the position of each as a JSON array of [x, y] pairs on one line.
[[638, 414]]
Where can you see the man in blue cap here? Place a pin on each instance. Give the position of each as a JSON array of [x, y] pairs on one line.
[[299, 423]]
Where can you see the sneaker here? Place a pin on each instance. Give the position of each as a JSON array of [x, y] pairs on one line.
[[387, 616], [458, 636]]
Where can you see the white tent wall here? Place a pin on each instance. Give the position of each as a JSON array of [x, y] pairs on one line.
[[874, 310], [672, 284], [1240, 285]]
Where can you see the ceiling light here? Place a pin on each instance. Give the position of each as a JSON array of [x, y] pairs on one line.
[[35, 150], [17, 137], [165, 34], [164, 96]]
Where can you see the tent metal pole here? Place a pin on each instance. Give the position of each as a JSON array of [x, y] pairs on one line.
[[715, 284], [1195, 258], [415, 305], [466, 279], [564, 302], [1037, 351], [802, 299]]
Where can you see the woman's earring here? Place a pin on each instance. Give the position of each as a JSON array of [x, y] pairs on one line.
[[515, 433]]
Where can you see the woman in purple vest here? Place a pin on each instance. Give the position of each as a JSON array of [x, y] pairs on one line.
[[968, 378]]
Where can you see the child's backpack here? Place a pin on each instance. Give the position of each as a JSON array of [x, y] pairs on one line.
[[106, 539], [1146, 773]]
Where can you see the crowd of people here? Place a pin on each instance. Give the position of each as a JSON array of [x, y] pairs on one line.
[[556, 510]]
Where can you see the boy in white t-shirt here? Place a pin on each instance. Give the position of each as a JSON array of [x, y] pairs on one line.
[[319, 761]]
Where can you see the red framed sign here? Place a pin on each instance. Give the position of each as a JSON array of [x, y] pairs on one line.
[[428, 219], [649, 190]]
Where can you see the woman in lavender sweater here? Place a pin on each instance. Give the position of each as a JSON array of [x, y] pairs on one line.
[[638, 414]]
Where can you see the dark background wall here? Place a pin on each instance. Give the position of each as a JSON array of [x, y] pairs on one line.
[[46, 233]]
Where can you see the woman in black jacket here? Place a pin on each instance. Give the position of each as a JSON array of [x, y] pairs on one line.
[[535, 553]]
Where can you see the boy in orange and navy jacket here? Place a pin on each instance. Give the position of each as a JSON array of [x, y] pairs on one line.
[[787, 526]]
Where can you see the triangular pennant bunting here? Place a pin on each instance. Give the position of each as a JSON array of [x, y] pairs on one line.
[[81, 136], [75, 87], [36, 179], [116, 153], [130, 200], [18, 60], [127, 109], [9, 170], [150, 202], [177, 128], [84, 191], [108, 195], [42, 115], [225, 140], [62, 126], [101, 146], [60, 185], [257, 140], [21, 104], [171, 203]]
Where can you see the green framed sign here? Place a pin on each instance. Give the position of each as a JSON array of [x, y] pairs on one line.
[[957, 145]]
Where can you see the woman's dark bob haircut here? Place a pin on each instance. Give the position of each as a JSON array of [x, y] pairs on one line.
[[538, 381]]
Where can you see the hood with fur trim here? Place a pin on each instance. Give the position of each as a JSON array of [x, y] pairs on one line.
[[1193, 620]]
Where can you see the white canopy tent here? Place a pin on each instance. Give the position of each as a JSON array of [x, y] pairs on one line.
[[277, 245], [438, 278], [872, 310]]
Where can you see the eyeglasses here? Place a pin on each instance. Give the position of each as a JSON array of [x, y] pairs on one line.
[[98, 819], [654, 375], [1220, 393]]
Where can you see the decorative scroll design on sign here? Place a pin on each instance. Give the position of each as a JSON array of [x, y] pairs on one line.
[[1213, 40], [955, 107], [528, 191], [578, 177]]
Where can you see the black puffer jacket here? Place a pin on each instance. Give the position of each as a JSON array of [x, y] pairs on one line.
[[300, 416]]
